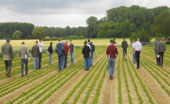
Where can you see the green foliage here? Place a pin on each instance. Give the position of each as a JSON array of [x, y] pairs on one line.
[[161, 24], [143, 35], [92, 27], [17, 34], [38, 32]]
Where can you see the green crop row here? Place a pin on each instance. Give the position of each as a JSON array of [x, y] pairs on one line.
[[141, 82], [155, 77], [85, 85], [126, 83], [134, 84], [79, 83], [93, 85], [119, 83]]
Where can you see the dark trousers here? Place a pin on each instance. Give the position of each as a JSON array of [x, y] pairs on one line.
[[24, 62], [40, 57], [160, 59], [124, 53], [8, 66], [157, 59], [65, 61], [137, 56], [60, 62]]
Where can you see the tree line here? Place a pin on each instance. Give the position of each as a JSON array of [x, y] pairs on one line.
[[134, 22]]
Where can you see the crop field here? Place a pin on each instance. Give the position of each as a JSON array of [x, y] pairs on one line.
[[148, 85]]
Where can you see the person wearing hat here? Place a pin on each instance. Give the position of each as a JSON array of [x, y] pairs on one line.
[[8, 56]]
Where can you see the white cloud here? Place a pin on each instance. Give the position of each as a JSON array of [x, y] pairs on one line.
[[64, 12]]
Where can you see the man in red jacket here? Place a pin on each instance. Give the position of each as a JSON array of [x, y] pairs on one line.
[[111, 54], [66, 53]]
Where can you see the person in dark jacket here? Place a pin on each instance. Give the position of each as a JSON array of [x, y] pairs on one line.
[[35, 53], [50, 51], [111, 53], [61, 52], [7, 52], [24, 55], [124, 47], [87, 54], [161, 49], [156, 49]]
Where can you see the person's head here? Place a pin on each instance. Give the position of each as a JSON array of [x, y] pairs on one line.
[[124, 39], [88, 40], [59, 39], [23, 43], [85, 42], [8, 40], [138, 39], [66, 42], [111, 41], [161, 39], [36, 42], [51, 43], [70, 41], [40, 40]]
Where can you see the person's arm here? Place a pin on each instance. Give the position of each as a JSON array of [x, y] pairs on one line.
[[12, 53]]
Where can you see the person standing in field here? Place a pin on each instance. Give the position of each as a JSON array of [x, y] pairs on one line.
[[24, 55], [50, 52], [40, 45], [111, 53], [66, 53], [72, 51], [92, 48], [124, 47], [161, 50], [133, 55], [60, 51], [137, 48], [156, 50], [35, 53], [87, 54], [8, 56]]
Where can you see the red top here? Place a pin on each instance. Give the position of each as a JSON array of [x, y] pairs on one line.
[[111, 51], [66, 49]]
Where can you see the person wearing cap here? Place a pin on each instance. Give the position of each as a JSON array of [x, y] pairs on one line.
[[24, 55], [87, 54], [8, 56], [161, 49], [61, 52], [137, 47], [111, 53], [40, 45]]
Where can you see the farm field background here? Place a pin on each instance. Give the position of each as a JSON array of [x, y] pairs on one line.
[[148, 85]]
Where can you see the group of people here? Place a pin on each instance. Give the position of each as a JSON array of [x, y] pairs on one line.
[[88, 51], [62, 50]]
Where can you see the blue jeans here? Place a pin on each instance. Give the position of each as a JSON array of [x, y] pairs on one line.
[[50, 57], [60, 62], [36, 63], [87, 63], [65, 61], [111, 65], [72, 57], [91, 59], [133, 58], [24, 61]]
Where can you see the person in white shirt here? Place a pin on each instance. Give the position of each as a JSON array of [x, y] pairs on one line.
[[137, 47], [133, 56], [40, 45]]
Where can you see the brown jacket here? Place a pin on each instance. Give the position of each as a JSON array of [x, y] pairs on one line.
[[7, 51]]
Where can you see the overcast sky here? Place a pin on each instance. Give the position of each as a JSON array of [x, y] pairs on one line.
[[60, 13]]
